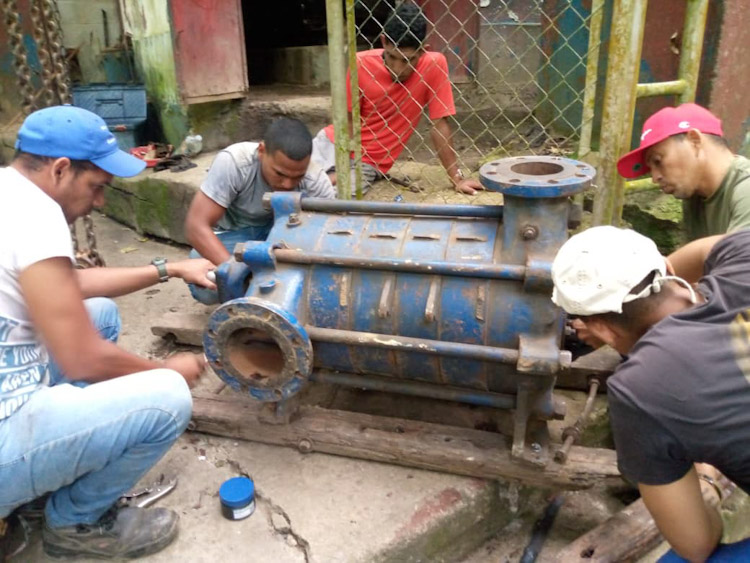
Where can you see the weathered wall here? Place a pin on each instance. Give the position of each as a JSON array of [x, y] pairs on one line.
[[508, 56], [725, 81], [92, 27], [148, 22]]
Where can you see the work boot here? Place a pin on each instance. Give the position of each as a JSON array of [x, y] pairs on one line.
[[123, 533]]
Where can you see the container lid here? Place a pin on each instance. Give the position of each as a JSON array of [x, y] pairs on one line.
[[237, 492]]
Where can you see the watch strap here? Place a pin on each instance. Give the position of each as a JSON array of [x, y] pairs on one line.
[[161, 267]]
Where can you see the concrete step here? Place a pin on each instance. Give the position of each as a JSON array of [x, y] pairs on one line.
[[247, 119]]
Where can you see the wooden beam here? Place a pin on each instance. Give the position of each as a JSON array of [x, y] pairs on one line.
[[186, 328], [463, 451], [626, 536]]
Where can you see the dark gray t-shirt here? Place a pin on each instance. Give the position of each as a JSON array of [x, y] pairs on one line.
[[683, 394], [235, 182]]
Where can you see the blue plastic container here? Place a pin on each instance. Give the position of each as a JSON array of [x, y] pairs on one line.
[[122, 106], [237, 497]]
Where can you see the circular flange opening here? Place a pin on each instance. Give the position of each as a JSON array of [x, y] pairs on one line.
[[255, 355], [536, 177], [537, 168], [258, 348]]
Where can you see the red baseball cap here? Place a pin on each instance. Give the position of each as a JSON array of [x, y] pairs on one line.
[[665, 123]]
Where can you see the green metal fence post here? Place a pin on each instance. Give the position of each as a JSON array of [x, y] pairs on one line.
[[337, 62], [692, 47], [687, 74], [626, 40], [592, 70], [351, 29]]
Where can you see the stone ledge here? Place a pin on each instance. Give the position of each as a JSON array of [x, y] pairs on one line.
[[156, 203]]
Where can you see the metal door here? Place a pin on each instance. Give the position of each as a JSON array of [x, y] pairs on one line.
[[209, 49]]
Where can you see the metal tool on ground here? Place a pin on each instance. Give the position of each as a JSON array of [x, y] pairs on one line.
[[141, 497], [541, 529], [404, 181]]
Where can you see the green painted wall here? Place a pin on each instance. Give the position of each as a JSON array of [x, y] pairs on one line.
[[149, 24]]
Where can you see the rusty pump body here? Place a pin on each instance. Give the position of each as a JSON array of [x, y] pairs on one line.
[[444, 301]]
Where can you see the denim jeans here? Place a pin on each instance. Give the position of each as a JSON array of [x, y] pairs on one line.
[[229, 239], [105, 316], [738, 552], [89, 444]]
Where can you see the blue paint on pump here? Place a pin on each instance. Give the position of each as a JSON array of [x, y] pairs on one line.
[[312, 272]]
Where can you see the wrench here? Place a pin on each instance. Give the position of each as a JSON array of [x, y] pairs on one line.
[[142, 497]]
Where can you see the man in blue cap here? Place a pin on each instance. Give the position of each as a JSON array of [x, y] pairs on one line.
[[80, 418]]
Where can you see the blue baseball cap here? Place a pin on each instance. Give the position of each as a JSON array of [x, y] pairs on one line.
[[78, 134]]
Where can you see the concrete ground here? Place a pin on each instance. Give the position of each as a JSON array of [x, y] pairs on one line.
[[317, 507]]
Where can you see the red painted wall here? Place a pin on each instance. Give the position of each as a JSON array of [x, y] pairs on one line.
[[726, 86], [454, 32]]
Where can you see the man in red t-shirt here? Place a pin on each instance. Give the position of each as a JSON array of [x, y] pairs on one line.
[[396, 83]]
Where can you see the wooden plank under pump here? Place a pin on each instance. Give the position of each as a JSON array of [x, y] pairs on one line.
[[462, 451]]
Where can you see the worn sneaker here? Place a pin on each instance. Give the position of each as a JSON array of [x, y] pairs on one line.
[[123, 533]]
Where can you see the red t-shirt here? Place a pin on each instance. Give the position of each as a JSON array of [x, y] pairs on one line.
[[391, 110]]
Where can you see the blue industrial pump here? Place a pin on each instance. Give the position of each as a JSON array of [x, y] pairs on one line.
[[443, 301]]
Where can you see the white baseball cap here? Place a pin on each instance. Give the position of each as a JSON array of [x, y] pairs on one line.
[[595, 271]]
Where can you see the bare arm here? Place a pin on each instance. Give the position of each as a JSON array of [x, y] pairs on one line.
[[66, 330], [113, 282], [203, 214], [686, 513], [687, 262], [442, 139]]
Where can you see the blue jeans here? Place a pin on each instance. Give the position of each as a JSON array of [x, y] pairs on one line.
[[738, 552], [89, 444], [229, 239], [105, 316]]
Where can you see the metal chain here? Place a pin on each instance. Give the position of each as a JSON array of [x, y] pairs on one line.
[[92, 251], [40, 35], [21, 61], [56, 49], [87, 257], [56, 87], [74, 237]]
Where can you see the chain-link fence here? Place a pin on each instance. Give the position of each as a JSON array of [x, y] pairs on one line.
[[518, 70]]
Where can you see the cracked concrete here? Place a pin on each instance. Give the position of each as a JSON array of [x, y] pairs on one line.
[[278, 519], [281, 524]]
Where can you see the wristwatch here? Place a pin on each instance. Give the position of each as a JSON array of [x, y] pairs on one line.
[[459, 177], [161, 267]]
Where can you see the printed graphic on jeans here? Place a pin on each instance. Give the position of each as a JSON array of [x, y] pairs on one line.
[[22, 369]]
